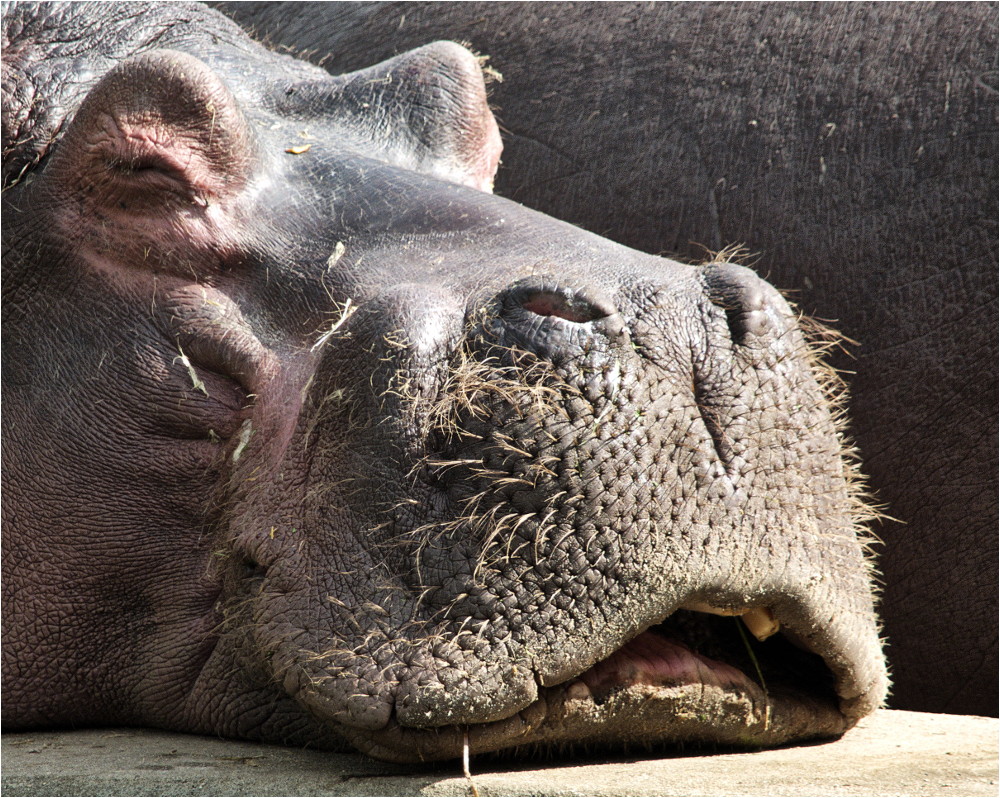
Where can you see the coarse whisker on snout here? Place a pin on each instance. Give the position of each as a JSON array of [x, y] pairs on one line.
[[344, 313]]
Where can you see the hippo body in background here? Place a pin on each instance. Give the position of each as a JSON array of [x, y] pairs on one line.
[[854, 147], [311, 439]]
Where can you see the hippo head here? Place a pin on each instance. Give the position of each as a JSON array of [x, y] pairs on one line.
[[312, 439]]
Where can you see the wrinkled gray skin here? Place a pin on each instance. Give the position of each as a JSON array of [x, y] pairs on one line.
[[311, 439], [854, 147]]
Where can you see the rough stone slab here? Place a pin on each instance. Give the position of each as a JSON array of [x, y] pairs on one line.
[[891, 753]]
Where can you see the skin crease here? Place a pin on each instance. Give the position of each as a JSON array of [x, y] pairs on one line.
[[321, 443], [853, 147]]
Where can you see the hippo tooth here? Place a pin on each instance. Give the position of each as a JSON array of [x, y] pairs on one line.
[[578, 691], [759, 620], [701, 606], [761, 623]]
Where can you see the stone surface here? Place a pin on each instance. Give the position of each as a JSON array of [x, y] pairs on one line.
[[890, 753]]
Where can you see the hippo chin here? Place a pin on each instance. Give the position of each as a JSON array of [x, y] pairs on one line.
[[311, 439]]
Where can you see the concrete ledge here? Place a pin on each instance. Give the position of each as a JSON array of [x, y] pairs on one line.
[[891, 753]]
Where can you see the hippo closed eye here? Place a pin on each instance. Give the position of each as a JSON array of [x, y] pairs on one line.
[[311, 439]]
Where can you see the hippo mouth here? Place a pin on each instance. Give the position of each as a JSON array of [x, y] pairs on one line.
[[697, 678]]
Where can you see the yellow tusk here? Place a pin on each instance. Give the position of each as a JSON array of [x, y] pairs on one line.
[[701, 606], [761, 623]]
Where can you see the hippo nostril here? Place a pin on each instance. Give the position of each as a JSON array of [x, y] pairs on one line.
[[752, 306], [554, 322], [569, 307]]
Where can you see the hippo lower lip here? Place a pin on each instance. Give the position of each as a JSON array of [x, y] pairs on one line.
[[693, 678]]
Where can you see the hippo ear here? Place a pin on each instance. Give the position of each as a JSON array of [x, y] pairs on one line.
[[156, 147], [431, 113]]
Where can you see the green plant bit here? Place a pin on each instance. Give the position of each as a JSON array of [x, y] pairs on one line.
[[760, 673]]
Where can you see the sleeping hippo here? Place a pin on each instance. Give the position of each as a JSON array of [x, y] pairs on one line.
[[312, 439], [852, 147]]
